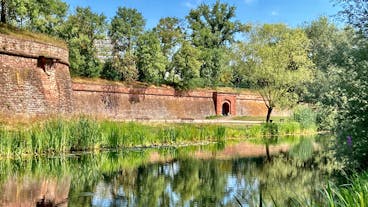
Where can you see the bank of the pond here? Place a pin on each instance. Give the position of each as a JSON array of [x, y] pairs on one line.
[[354, 191], [57, 136]]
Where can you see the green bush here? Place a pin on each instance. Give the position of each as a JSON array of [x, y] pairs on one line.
[[305, 116]]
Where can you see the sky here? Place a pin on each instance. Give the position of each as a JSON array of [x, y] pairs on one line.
[[291, 12]]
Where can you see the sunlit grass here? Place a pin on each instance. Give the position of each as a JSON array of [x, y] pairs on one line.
[[59, 135], [27, 35]]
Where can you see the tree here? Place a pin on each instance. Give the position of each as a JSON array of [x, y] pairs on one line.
[[346, 94], [212, 30], [81, 30], [3, 11], [356, 13], [35, 15], [213, 27], [185, 66], [170, 33], [277, 62], [150, 59], [126, 26]]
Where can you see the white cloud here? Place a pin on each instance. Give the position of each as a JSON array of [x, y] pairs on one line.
[[274, 13], [189, 5], [192, 3]]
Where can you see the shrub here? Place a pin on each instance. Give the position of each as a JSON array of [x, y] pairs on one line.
[[305, 116]]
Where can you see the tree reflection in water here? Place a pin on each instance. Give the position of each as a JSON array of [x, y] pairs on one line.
[[192, 176]]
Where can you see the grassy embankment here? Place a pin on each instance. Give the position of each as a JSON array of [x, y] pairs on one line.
[[59, 135], [27, 35]]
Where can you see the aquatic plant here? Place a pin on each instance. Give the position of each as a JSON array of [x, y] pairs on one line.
[[58, 135]]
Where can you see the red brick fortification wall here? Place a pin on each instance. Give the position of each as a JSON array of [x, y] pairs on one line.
[[34, 78], [120, 102], [250, 105], [253, 105]]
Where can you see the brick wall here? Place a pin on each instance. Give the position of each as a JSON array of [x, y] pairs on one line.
[[33, 49], [119, 102], [140, 103], [26, 87]]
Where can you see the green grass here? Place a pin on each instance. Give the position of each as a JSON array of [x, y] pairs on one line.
[[261, 118], [27, 35], [355, 193], [57, 136]]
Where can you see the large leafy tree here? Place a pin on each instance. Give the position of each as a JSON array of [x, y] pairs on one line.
[[212, 30], [185, 67], [126, 27], [213, 27], [277, 62], [37, 15], [356, 13], [329, 51], [348, 86], [81, 30], [170, 32], [150, 60]]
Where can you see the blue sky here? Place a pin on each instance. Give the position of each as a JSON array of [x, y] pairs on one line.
[[290, 12]]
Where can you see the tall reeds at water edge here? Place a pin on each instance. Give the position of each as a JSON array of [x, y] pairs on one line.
[[59, 135]]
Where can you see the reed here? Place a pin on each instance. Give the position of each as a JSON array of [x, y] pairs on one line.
[[58, 135], [355, 193]]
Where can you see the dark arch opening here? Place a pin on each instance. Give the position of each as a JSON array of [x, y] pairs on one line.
[[225, 109]]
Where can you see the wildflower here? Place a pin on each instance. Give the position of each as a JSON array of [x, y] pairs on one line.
[[349, 141]]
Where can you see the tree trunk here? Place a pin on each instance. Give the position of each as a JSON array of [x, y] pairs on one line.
[[268, 152], [269, 111], [3, 11]]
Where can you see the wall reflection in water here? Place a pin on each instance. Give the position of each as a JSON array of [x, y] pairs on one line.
[[230, 175]]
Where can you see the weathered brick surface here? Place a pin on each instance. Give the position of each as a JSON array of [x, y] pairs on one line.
[[33, 49], [141, 103], [120, 102], [26, 88], [222, 98]]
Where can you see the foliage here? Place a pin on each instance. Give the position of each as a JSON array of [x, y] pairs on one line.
[[151, 62], [340, 88], [58, 136], [355, 12], [81, 30], [185, 66], [213, 27], [126, 26], [353, 109], [305, 116], [35, 15], [214, 65], [354, 193], [212, 31], [170, 32], [124, 68], [276, 61]]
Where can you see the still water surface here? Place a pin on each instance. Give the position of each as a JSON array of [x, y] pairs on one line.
[[284, 172]]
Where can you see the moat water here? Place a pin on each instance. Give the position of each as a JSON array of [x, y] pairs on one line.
[[277, 172]]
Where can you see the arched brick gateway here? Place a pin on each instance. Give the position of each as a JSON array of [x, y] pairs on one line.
[[225, 103]]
